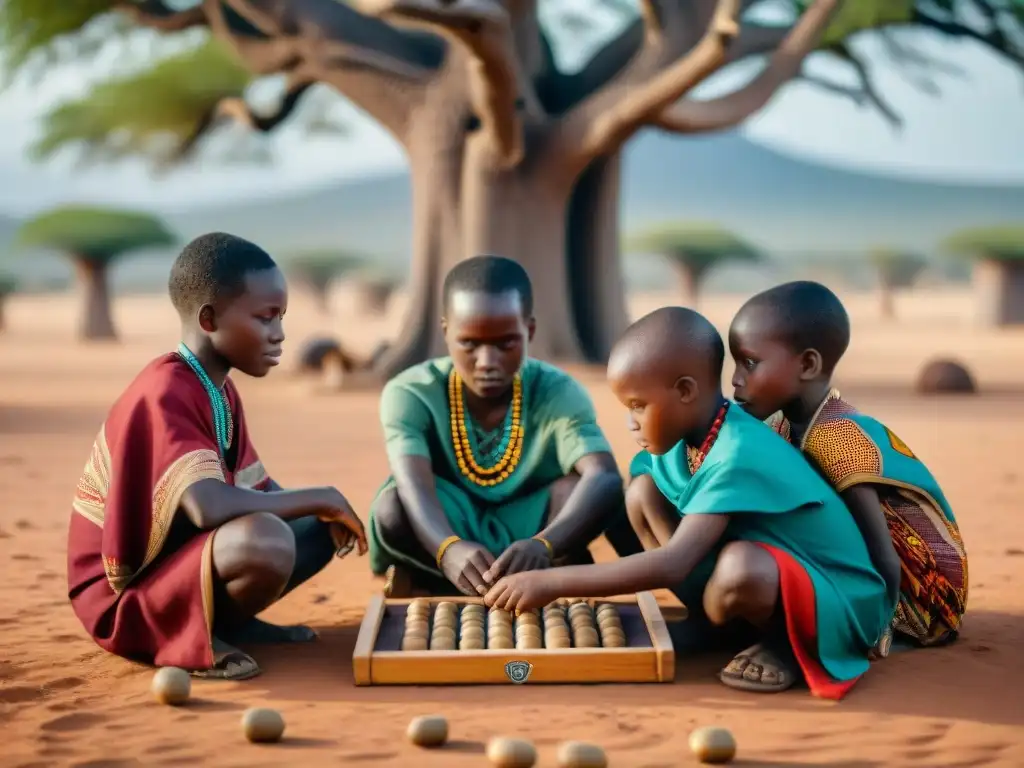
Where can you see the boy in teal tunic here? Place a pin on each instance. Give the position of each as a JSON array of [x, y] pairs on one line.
[[786, 343], [497, 462], [741, 522]]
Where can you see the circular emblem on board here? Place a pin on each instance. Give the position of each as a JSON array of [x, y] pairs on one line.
[[518, 671]]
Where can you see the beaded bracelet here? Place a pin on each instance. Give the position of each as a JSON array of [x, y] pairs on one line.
[[546, 543], [444, 548]]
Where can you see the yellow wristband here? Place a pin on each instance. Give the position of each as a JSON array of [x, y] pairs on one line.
[[546, 543], [444, 548]]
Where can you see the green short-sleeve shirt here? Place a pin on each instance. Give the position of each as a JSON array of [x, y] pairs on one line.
[[559, 422]]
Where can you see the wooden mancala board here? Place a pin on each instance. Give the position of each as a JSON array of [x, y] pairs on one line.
[[378, 658]]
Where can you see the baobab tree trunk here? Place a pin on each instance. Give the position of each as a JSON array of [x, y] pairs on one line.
[[566, 237], [999, 291], [691, 279], [596, 291], [3, 301], [436, 247], [95, 322]]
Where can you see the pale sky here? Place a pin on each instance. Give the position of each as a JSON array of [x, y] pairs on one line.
[[973, 132]]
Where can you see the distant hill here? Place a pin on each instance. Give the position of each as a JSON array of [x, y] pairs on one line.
[[787, 205], [724, 177]]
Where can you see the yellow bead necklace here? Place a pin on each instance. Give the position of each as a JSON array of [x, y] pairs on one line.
[[468, 465]]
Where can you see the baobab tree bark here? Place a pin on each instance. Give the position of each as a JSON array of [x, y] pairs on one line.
[[506, 154], [94, 321]]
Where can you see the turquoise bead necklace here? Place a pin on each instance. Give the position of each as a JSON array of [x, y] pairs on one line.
[[223, 424], [488, 446]]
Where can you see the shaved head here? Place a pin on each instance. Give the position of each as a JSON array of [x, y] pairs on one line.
[[666, 369], [670, 343]]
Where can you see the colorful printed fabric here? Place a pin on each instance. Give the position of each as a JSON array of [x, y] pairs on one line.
[[850, 448]]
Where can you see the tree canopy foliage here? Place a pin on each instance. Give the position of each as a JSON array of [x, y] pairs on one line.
[[97, 235], [162, 111], [697, 246], [1000, 243]]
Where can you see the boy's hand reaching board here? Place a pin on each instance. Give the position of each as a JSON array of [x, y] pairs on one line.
[[522, 591], [522, 555], [464, 563]]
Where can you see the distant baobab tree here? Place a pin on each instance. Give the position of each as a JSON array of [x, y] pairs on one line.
[[693, 250], [317, 270], [998, 254], [894, 270], [93, 239]]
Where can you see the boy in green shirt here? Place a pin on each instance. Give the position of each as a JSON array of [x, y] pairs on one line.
[[497, 462]]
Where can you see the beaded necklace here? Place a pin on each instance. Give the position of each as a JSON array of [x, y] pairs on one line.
[[223, 424], [490, 446], [504, 458], [694, 456]]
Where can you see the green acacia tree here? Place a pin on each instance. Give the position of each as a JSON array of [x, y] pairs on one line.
[[895, 269], [508, 153], [998, 255], [94, 238], [693, 249], [317, 270]]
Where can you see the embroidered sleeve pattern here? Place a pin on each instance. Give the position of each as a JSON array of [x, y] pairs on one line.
[[94, 484], [252, 476]]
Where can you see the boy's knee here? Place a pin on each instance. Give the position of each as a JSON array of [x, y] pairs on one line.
[[745, 583], [260, 542], [641, 495], [389, 515]]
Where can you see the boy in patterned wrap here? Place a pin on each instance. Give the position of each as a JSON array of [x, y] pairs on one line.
[[786, 343], [178, 536]]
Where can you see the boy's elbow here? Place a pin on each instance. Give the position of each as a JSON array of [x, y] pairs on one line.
[[199, 500]]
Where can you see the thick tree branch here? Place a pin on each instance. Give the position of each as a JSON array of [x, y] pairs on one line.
[[784, 65], [155, 14], [561, 92], [240, 111], [483, 29], [994, 39], [382, 70], [634, 105], [332, 33], [870, 92]]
